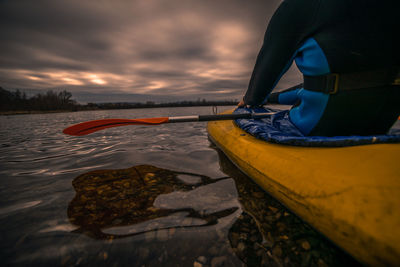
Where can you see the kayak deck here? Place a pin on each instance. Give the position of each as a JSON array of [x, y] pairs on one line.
[[350, 194]]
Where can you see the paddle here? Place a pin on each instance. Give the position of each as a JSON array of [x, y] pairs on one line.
[[88, 127]]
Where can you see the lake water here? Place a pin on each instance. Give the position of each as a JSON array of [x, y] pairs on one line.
[[172, 199]]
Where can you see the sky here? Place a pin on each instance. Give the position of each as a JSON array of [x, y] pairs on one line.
[[134, 50]]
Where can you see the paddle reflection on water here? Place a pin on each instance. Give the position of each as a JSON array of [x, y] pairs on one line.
[[108, 199]]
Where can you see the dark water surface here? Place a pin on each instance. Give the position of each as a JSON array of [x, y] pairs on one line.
[[172, 199]]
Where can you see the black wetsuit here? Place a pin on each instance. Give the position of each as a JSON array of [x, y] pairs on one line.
[[331, 36]]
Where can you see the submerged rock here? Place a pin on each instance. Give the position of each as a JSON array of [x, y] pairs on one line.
[[115, 198]]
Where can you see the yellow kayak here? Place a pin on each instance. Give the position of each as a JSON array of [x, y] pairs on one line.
[[350, 194]]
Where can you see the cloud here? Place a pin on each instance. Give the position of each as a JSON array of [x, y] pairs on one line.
[[167, 47]]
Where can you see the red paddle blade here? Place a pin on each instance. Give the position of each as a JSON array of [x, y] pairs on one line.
[[88, 127]]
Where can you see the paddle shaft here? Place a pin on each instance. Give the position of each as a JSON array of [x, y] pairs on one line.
[[218, 117], [88, 127]]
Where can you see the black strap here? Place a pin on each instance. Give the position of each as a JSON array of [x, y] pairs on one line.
[[333, 82]]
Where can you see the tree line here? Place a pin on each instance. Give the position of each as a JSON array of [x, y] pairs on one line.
[[17, 101], [150, 104], [53, 101]]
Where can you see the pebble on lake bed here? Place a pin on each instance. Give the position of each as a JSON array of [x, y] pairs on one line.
[[202, 259], [218, 261], [305, 245]]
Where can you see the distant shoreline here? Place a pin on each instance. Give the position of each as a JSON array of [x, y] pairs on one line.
[[27, 112], [17, 103]]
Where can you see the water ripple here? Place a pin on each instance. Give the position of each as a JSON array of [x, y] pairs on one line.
[[19, 206]]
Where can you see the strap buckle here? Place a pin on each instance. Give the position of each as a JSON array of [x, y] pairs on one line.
[[332, 83]]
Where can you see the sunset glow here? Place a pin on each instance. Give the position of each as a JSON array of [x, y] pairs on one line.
[[95, 79], [72, 81], [33, 78]]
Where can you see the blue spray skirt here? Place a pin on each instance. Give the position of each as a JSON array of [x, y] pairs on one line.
[[278, 129]]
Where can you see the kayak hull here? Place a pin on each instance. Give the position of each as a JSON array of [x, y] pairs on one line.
[[349, 194]]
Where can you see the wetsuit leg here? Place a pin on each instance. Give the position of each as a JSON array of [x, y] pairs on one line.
[[360, 112]]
